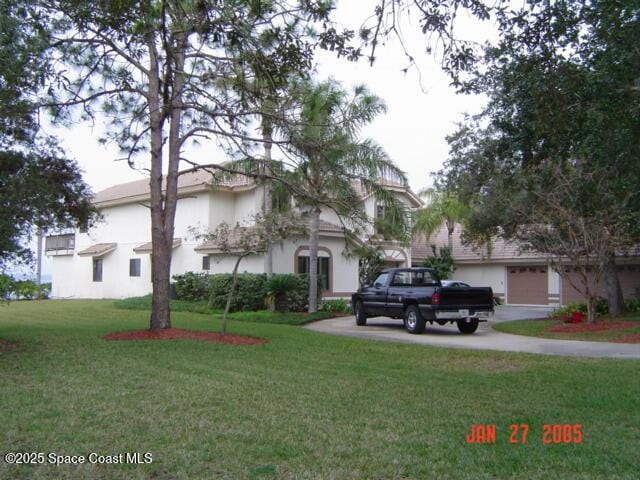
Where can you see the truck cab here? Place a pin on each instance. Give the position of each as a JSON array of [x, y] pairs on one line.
[[417, 296]]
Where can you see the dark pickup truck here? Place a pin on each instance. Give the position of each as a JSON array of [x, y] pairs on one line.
[[417, 296]]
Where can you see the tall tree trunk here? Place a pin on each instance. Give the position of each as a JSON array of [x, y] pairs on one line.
[[39, 260], [314, 233], [267, 133], [163, 207], [612, 286], [450, 229], [234, 281], [591, 309], [160, 263]]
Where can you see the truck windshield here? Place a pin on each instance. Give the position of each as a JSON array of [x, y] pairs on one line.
[[413, 278]]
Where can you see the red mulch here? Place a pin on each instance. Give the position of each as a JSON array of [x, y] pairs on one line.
[[591, 327], [633, 338], [6, 346], [182, 334]]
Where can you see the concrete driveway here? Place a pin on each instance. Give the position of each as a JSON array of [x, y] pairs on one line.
[[485, 338]]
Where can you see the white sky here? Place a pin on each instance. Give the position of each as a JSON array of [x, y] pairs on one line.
[[422, 107]]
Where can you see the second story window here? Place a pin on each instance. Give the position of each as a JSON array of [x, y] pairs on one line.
[[60, 242], [206, 262]]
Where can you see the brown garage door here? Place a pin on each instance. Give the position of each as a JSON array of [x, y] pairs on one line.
[[527, 285], [628, 275]]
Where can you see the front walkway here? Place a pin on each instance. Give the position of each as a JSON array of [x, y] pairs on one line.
[[486, 338]]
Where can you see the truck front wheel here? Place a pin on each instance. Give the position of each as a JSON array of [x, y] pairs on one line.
[[413, 321], [361, 316], [468, 327]]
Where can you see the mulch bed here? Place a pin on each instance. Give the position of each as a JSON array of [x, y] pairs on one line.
[[591, 327], [182, 334], [6, 346], [633, 338]]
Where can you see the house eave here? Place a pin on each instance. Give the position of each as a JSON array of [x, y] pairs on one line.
[[182, 193]]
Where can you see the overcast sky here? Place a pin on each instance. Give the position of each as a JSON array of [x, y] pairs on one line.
[[422, 108]]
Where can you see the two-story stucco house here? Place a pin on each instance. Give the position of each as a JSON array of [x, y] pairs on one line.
[[112, 259]]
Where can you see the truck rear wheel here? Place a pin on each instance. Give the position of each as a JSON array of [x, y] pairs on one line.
[[413, 321], [468, 327], [361, 316]]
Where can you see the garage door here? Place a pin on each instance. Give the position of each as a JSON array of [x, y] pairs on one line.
[[527, 285], [628, 275]]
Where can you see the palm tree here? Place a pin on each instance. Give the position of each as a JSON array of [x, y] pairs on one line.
[[443, 208], [333, 165]]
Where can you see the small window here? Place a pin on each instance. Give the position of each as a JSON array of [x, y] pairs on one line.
[[134, 267], [206, 263], [97, 269]]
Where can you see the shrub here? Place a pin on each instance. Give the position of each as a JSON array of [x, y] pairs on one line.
[[279, 287], [26, 289], [337, 305], [251, 289], [602, 308], [45, 291], [632, 305], [441, 262], [298, 298], [7, 286], [192, 286]]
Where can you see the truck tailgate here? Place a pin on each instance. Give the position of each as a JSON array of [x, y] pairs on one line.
[[466, 297]]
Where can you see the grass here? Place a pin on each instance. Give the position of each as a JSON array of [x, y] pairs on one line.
[[305, 405], [202, 307], [538, 328]]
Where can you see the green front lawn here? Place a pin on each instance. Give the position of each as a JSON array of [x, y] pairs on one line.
[[538, 328], [262, 316], [305, 405]]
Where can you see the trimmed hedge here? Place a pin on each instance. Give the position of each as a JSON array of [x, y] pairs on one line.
[[251, 291], [192, 286]]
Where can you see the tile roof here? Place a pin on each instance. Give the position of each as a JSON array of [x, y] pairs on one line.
[[98, 250], [500, 249], [141, 187], [147, 247], [330, 227]]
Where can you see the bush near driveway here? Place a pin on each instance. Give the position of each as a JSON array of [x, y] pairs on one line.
[[631, 305], [305, 405]]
